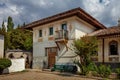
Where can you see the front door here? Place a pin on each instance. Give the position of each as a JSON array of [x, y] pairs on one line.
[[51, 52], [51, 59]]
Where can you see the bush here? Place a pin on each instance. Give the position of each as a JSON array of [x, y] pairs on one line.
[[118, 72], [4, 63], [92, 66], [86, 69], [103, 71]]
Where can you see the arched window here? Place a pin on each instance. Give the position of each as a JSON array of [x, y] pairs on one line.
[[113, 46]]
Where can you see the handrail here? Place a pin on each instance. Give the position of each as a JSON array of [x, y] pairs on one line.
[[61, 34]]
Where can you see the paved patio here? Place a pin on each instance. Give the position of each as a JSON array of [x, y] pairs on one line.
[[42, 75]]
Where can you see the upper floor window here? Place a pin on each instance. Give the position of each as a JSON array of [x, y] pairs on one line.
[[51, 31], [113, 46], [64, 26], [40, 33]]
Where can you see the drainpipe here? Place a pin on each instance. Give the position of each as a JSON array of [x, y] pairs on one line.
[[103, 51]]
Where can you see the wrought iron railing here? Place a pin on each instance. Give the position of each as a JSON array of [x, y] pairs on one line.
[[61, 34]]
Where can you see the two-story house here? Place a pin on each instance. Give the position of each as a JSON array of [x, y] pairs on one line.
[[53, 36]]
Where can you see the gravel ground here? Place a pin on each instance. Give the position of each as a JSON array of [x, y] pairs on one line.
[[42, 75]]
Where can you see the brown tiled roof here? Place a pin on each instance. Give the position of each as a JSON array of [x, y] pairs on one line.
[[74, 12], [106, 32]]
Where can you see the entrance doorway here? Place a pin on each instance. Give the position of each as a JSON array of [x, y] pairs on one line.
[[51, 53]]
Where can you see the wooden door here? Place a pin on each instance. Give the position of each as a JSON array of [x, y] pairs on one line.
[[51, 53], [51, 59]]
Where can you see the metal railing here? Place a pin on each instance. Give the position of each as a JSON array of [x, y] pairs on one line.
[[61, 34]]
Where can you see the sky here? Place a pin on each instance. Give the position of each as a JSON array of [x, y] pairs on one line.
[[105, 11]]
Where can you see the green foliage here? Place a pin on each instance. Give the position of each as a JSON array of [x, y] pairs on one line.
[[4, 63], [85, 47], [18, 26], [3, 29], [10, 25], [92, 66], [118, 72], [84, 69], [19, 39], [103, 70], [16, 38]]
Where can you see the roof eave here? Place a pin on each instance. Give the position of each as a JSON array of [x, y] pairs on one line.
[[75, 12]]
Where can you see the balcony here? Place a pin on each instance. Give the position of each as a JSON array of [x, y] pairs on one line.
[[61, 35]]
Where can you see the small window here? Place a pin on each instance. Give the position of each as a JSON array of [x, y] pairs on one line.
[[113, 46], [64, 26], [40, 33], [51, 31]]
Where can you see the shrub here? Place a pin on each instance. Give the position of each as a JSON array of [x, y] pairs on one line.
[[103, 71], [92, 66], [4, 63], [86, 69], [118, 72]]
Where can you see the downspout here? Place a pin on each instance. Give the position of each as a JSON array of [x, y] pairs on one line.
[[103, 50]]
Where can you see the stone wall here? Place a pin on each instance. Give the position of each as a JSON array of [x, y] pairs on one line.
[[39, 62]]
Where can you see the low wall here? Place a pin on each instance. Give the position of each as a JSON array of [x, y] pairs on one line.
[[17, 65]]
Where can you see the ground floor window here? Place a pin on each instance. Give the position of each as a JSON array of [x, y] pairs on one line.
[[113, 48]]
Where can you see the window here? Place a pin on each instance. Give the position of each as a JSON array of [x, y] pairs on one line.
[[51, 31], [113, 46], [40, 33], [64, 26]]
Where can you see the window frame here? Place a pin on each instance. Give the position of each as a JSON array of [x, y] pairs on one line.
[[40, 33], [62, 26], [51, 28], [115, 46]]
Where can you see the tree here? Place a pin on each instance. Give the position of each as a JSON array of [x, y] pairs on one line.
[[10, 25], [3, 29], [19, 39], [84, 48], [24, 24], [18, 26]]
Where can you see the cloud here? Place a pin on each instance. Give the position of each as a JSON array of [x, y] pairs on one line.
[[107, 11]]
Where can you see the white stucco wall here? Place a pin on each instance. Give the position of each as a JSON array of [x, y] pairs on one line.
[[76, 28], [1, 46], [56, 26], [17, 65], [106, 49], [38, 47], [82, 28], [100, 59]]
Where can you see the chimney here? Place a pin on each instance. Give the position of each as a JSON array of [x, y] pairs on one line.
[[119, 22]]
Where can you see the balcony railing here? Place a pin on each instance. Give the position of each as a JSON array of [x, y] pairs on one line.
[[61, 34]]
